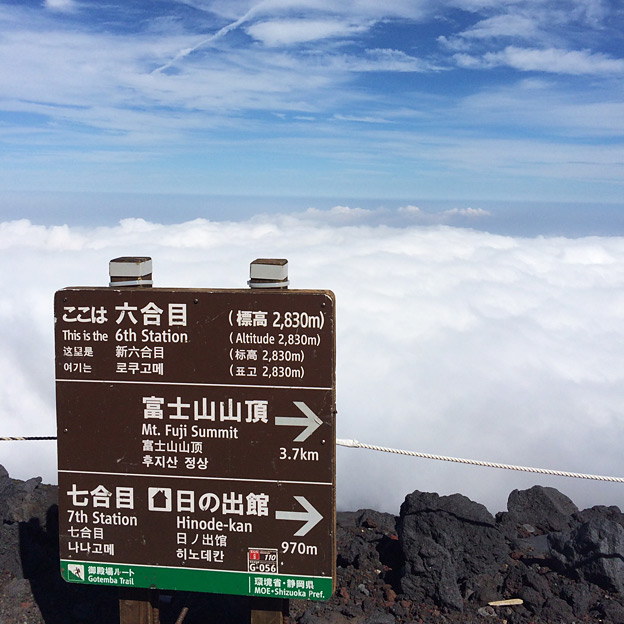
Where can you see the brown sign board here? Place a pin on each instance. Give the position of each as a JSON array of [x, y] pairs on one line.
[[196, 439]]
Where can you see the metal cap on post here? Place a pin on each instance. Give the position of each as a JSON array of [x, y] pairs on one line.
[[130, 271], [268, 273]]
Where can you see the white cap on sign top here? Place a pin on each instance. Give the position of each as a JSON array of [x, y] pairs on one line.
[[130, 271], [268, 273]]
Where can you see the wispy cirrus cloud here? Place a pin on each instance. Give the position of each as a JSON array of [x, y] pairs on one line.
[[503, 26], [350, 10], [61, 5], [561, 111], [549, 60], [383, 60], [356, 119], [286, 32]]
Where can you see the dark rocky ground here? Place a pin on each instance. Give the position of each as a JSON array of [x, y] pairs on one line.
[[442, 559]]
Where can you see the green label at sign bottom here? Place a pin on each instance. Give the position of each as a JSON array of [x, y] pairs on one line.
[[193, 579]]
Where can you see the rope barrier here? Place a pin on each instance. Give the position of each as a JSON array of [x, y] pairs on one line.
[[28, 438], [457, 460], [475, 462]]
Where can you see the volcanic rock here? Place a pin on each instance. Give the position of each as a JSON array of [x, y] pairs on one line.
[[451, 546], [537, 510], [594, 551]]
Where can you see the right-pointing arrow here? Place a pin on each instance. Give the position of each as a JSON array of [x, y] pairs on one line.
[[310, 516], [309, 420]]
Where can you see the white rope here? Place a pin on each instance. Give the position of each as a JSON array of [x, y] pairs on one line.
[[15, 438], [457, 460], [475, 462]]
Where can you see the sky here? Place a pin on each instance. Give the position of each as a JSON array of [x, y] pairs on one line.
[[453, 170], [414, 99]]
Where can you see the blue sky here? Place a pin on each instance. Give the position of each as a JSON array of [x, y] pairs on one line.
[[460, 99]]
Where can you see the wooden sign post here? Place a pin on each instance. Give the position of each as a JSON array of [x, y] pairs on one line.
[[268, 273], [136, 606]]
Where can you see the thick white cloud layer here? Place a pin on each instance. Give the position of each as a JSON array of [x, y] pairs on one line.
[[450, 341]]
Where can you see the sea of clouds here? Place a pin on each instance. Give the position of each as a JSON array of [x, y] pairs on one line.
[[449, 341]]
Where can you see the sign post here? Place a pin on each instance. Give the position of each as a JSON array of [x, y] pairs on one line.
[[197, 437], [269, 274], [136, 606]]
